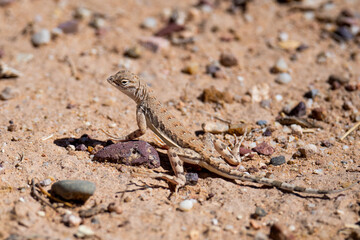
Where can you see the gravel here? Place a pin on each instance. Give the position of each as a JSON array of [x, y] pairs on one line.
[[41, 38], [283, 78]]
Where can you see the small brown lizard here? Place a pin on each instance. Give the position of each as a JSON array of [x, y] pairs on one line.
[[182, 145]]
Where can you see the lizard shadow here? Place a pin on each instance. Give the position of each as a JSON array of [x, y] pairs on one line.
[[81, 143]]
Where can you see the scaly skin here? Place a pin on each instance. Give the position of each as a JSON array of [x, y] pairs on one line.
[[183, 146]]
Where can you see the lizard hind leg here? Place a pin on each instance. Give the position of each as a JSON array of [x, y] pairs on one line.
[[178, 168], [226, 153]]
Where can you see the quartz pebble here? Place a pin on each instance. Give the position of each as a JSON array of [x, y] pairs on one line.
[[187, 205], [71, 220], [41, 38], [75, 190], [45, 182], [149, 23], [283, 78], [82, 13], [280, 66], [84, 232]]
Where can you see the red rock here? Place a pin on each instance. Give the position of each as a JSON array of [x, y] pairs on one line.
[[133, 153], [264, 149]]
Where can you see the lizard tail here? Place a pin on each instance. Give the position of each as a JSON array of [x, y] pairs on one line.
[[231, 173]]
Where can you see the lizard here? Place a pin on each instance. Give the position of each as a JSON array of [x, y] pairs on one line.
[[182, 145]]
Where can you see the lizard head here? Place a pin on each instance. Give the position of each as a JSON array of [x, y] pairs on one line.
[[126, 82]]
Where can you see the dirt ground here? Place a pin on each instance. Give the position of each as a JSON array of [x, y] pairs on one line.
[[63, 93]]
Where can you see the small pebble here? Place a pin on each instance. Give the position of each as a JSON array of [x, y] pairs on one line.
[[154, 43], [259, 213], [76, 190], [84, 232], [70, 147], [82, 13], [277, 233], [149, 23], [264, 149], [45, 182], [41, 213], [81, 147], [243, 151], [278, 97], [228, 60], [283, 78], [337, 81], [345, 147], [267, 132], [113, 207], [260, 236], [312, 93], [212, 69], [8, 93], [277, 161], [326, 143], [40, 38], [70, 26], [296, 129], [318, 171], [214, 221], [318, 114], [133, 52], [299, 110], [187, 205], [71, 220], [343, 33], [98, 23], [261, 122], [280, 66], [191, 68], [191, 178]]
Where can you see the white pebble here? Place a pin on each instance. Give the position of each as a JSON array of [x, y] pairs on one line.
[[311, 148], [149, 23], [345, 147], [229, 227], [278, 97], [318, 171], [292, 228], [186, 205], [84, 231], [41, 213], [283, 78], [239, 217], [281, 66], [283, 36], [214, 221], [42, 37], [296, 129]]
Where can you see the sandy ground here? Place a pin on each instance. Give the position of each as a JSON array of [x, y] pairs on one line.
[[50, 102]]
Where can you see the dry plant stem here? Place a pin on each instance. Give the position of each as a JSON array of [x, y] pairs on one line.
[[350, 130], [33, 190], [72, 66], [52, 197]]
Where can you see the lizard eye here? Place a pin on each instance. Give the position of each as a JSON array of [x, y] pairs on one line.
[[124, 82]]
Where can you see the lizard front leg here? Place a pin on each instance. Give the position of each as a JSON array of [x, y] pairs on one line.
[[141, 122]]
